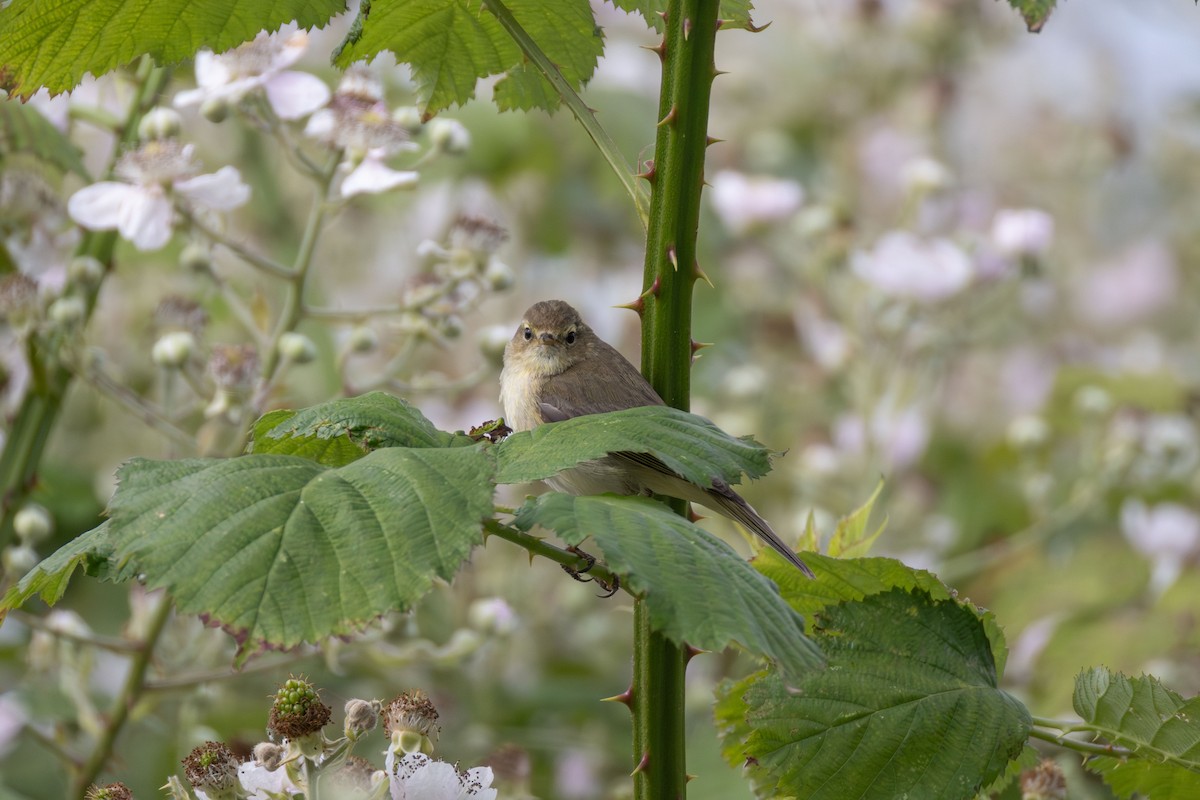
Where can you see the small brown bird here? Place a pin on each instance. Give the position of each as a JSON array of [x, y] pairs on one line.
[[556, 368]]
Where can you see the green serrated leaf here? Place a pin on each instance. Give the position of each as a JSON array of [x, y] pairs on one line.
[[53, 43], [282, 550], [847, 579], [24, 130], [450, 44], [1146, 717], [523, 89], [1035, 12], [1141, 778], [908, 706], [570, 38], [850, 538], [48, 580], [698, 590], [690, 445], [341, 431], [810, 539]]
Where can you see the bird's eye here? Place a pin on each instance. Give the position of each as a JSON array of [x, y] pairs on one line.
[[528, 334], [570, 337]]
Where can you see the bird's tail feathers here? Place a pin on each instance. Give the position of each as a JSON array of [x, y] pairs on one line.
[[731, 504]]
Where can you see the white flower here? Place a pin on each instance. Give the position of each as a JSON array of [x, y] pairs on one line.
[[898, 434], [141, 209], [924, 175], [449, 136], [744, 202], [493, 615], [373, 176], [1138, 284], [906, 266], [1166, 534], [261, 783], [1022, 231], [261, 63], [357, 121], [416, 776], [13, 718]]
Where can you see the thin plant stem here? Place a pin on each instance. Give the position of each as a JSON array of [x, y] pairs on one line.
[[110, 643], [190, 681], [133, 403], [1088, 748], [53, 746], [571, 99], [540, 547], [123, 703], [352, 314], [293, 305], [256, 260]]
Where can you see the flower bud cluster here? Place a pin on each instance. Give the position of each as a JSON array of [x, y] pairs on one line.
[[461, 272]]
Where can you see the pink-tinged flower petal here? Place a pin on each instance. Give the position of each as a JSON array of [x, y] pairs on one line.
[[293, 47], [221, 190], [98, 207], [295, 94], [320, 125], [906, 266], [744, 202], [211, 70], [373, 176], [145, 219]]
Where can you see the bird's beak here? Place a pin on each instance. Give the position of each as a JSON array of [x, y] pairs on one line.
[[547, 337]]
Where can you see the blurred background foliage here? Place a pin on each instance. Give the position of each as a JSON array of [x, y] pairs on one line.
[[1025, 383]]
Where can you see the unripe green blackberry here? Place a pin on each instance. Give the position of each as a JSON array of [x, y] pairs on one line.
[[297, 710], [113, 791], [213, 769]]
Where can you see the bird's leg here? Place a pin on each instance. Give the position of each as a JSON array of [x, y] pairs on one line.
[[577, 574], [609, 588]]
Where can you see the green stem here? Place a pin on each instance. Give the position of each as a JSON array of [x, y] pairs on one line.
[[252, 258], [297, 276], [571, 99], [540, 547], [665, 305], [1088, 748], [39, 410], [123, 703]]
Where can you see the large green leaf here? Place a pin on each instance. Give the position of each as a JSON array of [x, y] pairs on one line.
[[282, 550], [450, 44], [567, 33], [842, 579], [24, 130], [340, 431], [698, 590], [53, 43], [90, 551], [1159, 726], [907, 707], [690, 445]]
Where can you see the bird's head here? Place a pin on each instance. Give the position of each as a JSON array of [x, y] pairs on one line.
[[550, 339]]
